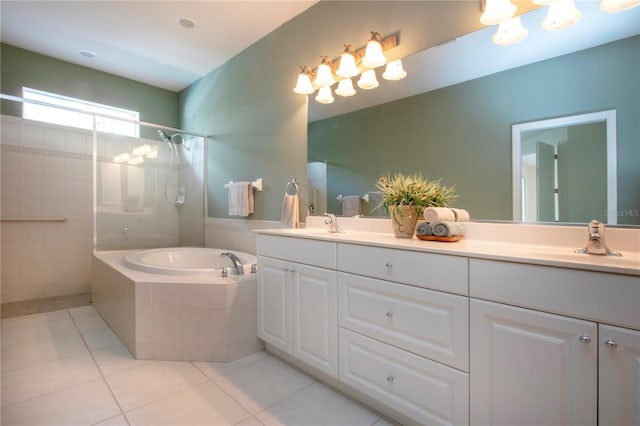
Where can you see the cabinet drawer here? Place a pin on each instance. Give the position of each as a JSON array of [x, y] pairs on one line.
[[429, 323], [310, 252], [435, 271], [595, 296], [428, 392]]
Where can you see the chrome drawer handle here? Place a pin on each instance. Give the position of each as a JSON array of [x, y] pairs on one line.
[[390, 379], [584, 339], [389, 314], [286, 269], [611, 343], [388, 264]]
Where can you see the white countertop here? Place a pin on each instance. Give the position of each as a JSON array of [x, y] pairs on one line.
[[538, 254]]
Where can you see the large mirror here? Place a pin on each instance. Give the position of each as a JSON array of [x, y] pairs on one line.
[[452, 117]]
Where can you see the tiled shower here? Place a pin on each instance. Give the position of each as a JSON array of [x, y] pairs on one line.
[[51, 221]]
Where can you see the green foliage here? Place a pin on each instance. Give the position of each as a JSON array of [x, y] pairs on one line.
[[414, 190]]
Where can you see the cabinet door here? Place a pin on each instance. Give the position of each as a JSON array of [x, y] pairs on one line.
[[531, 367], [619, 381], [315, 333], [274, 302]]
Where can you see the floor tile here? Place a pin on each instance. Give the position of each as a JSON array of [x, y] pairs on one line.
[[26, 383], [262, 383], [317, 405], [83, 404], [37, 332], [116, 359], [114, 421], [100, 338], [82, 311], [251, 421], [151, 382], [34, 319], [205, 404], [215, 369], [90, 321]]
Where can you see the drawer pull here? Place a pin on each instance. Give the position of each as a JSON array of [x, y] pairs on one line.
[[390, 379], [286, 269], [388, 264], [292, 270], [611, 343], [584, 339], [389, 314]]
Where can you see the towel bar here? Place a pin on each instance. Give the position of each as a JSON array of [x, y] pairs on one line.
[[34, 219], [364, 198], [256, 184]]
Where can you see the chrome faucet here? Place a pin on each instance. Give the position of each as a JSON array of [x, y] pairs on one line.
[[332, 222], [237, 264], [595, 244]]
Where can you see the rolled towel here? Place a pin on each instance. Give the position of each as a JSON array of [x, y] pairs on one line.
[[439, 214], [461, 215], [447, 229], [424, 228]]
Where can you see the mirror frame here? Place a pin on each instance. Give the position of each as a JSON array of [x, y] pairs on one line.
[[608, 116]]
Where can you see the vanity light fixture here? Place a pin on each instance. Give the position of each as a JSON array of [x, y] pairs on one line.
[[368, 80], [345, 88], [373, 56], [324, 95], [615, 6], [324, 76], [562, 14], [304, 86], [348, 67], [510, 32], [394, 71]]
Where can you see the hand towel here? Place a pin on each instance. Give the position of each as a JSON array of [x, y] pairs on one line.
[[461, 215], [439, 214], [290, 211], [351, 205], [447, 229], [240, 198], [424, 229]]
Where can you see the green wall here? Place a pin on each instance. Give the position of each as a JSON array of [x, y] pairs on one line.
[[258, 126], [25, 68], [462, 133]]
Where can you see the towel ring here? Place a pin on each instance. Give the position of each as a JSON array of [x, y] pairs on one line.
[[293, 183]]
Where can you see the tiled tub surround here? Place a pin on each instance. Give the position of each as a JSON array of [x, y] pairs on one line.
[[47, 172], [176, 318]]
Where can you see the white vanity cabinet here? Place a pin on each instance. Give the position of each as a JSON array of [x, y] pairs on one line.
[[619, 376], [297, 303], [530, 367]]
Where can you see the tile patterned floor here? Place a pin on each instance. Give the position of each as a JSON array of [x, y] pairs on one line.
[[66, 367]]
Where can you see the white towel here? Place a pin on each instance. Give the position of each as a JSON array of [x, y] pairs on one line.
[[351, 205], [461, 215], [240, 198], [290, 211], [447, 229], [439, 214]]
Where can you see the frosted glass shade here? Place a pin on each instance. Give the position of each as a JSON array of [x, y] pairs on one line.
[[304, 86], [347, 67], [345, 88], [368, 80], [394, 71], [373, 56], [497, 11], [614, 6], [562, 14], [510, 32], [324, 95], [324, 78]]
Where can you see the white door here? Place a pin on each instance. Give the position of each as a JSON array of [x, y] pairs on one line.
[[274, 302], [530, 367], [315, 333], [619, 380]]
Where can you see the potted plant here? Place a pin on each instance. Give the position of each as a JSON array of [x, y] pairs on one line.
[[406, 197]]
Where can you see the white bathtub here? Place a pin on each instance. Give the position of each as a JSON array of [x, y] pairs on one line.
[[184, 310], [186, 261]]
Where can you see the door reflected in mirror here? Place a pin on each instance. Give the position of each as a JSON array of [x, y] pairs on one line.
[[565, 169]]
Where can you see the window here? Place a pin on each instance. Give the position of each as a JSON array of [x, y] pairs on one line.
[[82, 120]]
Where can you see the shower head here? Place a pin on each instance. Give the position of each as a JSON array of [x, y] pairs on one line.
[[165, 136], [175, 139]]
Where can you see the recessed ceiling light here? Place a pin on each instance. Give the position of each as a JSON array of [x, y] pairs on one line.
[[186, 22], [87, 53]]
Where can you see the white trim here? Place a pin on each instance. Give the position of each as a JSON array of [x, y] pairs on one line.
[[609, 117]]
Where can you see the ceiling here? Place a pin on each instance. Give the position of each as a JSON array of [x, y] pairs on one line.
[[142, 40]]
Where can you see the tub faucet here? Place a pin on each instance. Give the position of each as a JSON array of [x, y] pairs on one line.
[[595, 244], [237, 264], [332, 222]]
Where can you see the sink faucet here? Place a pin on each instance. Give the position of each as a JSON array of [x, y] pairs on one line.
[[596, 244], [237, 264], [332, 222]]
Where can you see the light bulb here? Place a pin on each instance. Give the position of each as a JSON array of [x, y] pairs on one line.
[[324, 78], [497, 11], [562, 14], [347, 66], [304, 86], [394, 71], [368, 80], [510, 32], [345, 88], [324, 95], [373, 56]]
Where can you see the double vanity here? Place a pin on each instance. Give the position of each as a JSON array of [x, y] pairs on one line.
[[473, 332]]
